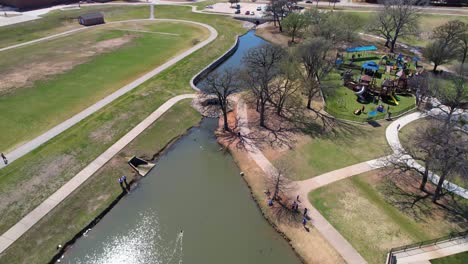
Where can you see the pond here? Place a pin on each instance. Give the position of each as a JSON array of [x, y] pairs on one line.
[[195, 188], [246, 42]]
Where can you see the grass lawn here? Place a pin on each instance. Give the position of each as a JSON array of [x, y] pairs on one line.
[[460, 258], [28, 181], [342, 102], [407, 133], [29, 111], [323, 154], [90, 199], [59, 21], [368, 211]]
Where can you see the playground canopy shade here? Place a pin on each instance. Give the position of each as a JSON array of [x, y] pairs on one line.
[[370, 65], [361, 49]]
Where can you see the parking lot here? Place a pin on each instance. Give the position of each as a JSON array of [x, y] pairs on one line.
[[244, 7]]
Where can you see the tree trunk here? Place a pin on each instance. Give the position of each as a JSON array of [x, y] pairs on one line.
[[438, 189], [435, 68], [293, 35], [258, 105], [422, 187], [387, 42], [392, 48], [262, 114], [309, 101], [226, 125], [275, 195]]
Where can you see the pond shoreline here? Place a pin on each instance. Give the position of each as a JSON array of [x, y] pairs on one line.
[[133, 183]]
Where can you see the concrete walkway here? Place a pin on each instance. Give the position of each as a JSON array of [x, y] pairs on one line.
[[308, 185], [38, 141], [393, 139], [45, 207], [426, 253], [341, 245]]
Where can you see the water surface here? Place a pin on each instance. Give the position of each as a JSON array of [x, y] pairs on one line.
[[195, 188]]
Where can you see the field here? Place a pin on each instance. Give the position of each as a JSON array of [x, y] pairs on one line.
[[90, 199], [314, 156], [376, 212], [23, 187], [459, 258], [48, 82]]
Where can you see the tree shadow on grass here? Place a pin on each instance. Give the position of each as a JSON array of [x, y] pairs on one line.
[[403, 192]]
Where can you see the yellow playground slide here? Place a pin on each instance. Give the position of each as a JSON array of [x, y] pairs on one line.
[[394, 99]]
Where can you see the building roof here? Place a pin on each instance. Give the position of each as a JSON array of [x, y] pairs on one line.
[[91, 15]]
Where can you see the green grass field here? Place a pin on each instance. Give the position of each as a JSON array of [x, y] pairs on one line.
[[323, 154], [460, 258], [90, 199], [29, 111], [365, 212], [28, 181]]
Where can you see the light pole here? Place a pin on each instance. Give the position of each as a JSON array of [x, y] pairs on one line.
[[152, 10]]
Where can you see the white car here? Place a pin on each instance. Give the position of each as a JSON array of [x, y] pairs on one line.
[[252, 13]]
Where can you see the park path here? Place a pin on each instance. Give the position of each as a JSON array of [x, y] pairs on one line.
[[426, 253], [28, 221], [338, 242], [48, 135], [393, 139]]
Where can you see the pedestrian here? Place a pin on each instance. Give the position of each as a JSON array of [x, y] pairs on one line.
[[121, 182], [304, 221], [297, 207], [270, 202], [5, 160], [297, 198], [124, 178], [398, 127], [305, 212], [293, 207]]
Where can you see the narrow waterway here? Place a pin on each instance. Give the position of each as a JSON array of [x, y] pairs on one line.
[[195, 188], [246, 42]]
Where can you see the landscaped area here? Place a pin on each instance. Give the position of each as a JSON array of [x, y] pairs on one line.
[[51, 81], [317, 133], [374, 216]]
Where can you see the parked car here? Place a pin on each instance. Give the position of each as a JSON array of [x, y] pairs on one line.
[[209, 7], [298, 7], [259, 8], [308, 2], [247, 12], [237, 11], [252, 13], [237, 6]]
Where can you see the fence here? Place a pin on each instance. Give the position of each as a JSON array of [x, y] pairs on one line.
[[391, 259]]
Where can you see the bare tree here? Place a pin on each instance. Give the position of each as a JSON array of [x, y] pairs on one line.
[[277, 10], [450, 33], [450, 98], [399, 18], [438, 52], [262, 66], [294, 24], [463, 49], [285, 86], [335, 27], [223, 85], [316, 64]]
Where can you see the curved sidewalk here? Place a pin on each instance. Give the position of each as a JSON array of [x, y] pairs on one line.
[[336, 240], [46, 206], [38, 141], [393, 139]]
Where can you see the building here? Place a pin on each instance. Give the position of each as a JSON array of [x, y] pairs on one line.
[[33, 4], [30, 4], [91, 19]]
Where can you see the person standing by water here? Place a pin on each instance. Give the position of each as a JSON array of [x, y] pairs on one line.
[[5, 160], [121, 182]]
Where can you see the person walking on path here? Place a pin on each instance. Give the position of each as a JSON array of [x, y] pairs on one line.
[[305, 212], [398, 127], [5, 160]]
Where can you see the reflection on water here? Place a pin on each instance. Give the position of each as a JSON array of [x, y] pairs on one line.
[[138, 244]]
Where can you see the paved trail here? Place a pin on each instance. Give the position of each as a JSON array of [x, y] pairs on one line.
[[38, 141], [341, 245], [45, 207]]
